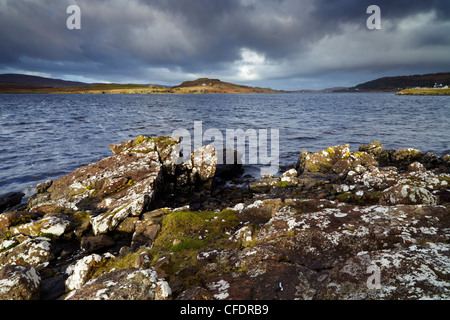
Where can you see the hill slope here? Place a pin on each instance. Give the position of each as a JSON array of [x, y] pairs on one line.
[[35, 81], [403, 82]]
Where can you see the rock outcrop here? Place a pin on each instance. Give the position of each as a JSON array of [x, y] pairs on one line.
[[142, 224]]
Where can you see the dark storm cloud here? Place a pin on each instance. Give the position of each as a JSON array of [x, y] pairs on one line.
[[241, 40]]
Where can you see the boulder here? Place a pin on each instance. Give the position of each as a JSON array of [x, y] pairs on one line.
[[94, 243], [407, 194], [115, 187], [11, 219], [35, 252], [404, 157], [416, 167], [10, 200], [53, 226], [204, 161], [125, 284], [374, 148], [19, 283], [264, 184], [289, 178], [79, 272], [128, 183], [337, 159]]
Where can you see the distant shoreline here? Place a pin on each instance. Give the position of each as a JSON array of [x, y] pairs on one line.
[[425, 92]]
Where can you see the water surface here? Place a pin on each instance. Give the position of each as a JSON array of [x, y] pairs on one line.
[[46, 136]]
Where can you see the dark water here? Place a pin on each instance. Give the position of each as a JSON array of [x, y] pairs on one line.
[[46, 136]]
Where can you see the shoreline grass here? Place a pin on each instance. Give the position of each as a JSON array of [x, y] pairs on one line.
[[425, 92]]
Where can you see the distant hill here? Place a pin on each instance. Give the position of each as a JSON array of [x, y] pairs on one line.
[[206, 85], [395, 84], [35, 81]]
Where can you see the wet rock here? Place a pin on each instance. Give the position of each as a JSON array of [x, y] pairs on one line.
[[125, 284], [225, 169], [9, 200], [19, 283]]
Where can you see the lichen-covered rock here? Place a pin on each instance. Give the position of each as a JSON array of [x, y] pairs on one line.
[[258, 212], [335, 159], [405, 156], [19, 283], [128, 183], [196, 293], [35, 252], [319, 249], [125, 284], [264, 184], [204, 161], [10, 219], [407, 194], [116, 187], [80, 271], [416, 167], [51, 226], [289, 178], [374, 148], [415, 272], [322, 161]]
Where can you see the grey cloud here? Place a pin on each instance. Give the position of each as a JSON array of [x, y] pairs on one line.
[[135, 39]]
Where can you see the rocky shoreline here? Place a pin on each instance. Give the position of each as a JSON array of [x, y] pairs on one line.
[[140, 226]]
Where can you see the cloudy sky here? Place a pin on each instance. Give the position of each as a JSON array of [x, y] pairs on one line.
[[282, 44]]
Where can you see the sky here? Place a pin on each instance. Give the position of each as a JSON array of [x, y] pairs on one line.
[[281, 44]]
